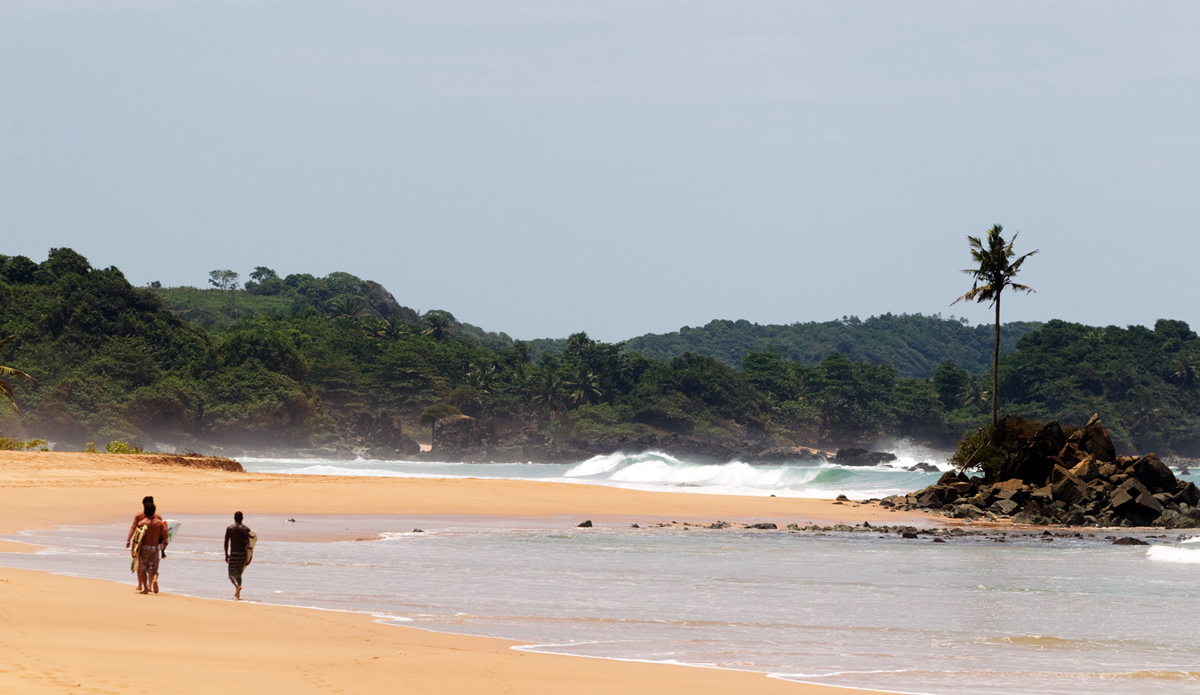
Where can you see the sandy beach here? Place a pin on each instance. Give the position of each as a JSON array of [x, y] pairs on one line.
[[79, 634]]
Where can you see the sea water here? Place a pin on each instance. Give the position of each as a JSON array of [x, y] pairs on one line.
[[657, 471], [1069, 615], [972, 615]]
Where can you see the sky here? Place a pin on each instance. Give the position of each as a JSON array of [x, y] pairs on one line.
[[542, 168]]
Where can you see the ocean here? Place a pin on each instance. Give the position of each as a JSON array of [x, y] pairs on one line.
[[1035, 613]]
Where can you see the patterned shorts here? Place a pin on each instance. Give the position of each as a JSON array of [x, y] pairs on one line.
[[148, 559], [237, 562]]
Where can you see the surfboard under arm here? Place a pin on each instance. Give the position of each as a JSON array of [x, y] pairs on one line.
[[137, 548]]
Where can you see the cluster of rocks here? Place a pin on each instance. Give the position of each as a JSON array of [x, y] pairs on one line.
[[1075, 480]]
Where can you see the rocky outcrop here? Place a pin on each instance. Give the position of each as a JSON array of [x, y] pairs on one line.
[[862, 457], [459, 434], [1074, 481], [383, 433]]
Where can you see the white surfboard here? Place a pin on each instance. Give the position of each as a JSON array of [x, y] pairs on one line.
[[172, 527], [250, 543]]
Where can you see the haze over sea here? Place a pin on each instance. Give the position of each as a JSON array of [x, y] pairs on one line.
[[1057, 614]]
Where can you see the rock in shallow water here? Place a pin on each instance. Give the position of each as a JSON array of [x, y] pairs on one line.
[[1128, 540]]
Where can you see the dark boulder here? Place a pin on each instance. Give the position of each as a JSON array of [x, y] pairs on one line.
[[1132, 493], [862, 457], [1154, 474], [1087, 469], [1049, 440], [1067, 488], [1004, 507], [1096, 441], [1026, 518], [585, 524], [1174, 519], [1129, 541], [781, 454], [767, 526], [1009, 489], [1029, 466], [1187, 493]]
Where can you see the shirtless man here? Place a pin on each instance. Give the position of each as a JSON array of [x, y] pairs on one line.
[[155, 535], [137, 520], [237, 537]]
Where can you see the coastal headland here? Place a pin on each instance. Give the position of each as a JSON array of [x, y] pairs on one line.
[[65, 633]]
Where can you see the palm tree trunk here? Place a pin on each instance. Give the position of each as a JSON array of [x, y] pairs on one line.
[[996, 363]]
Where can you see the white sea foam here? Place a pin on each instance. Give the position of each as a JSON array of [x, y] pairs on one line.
[[1168, 553], [655, 471]]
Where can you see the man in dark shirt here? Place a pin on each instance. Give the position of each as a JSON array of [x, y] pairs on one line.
[[237, 537], [154, 536]]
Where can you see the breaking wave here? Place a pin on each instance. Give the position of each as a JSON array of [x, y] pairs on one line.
[[1170, 553], [658, 471]]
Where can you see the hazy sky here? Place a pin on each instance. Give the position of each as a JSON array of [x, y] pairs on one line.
[[616, 167]]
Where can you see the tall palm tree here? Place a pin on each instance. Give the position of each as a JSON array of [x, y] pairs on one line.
[[583, 388], [9, 371], [438, 325], [995, 272], [549, 396], [973, 395]]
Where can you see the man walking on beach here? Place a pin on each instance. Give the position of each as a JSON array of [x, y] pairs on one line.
[[154, 536], [237, 538], [137, 520]]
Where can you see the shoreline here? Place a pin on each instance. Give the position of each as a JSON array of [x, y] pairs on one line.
[[71, 631], [203, 645]]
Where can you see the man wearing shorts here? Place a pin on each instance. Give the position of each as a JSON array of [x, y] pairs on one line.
[[137, 520], [237, 537], [155, 536]]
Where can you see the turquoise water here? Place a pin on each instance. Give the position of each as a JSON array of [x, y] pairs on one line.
[[971, 615]]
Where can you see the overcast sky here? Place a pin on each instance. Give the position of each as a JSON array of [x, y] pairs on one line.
[[616, 167]]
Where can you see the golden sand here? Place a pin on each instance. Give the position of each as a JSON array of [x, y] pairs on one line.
[[62, 634]]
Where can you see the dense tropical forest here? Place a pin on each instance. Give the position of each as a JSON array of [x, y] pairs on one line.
[[915, 345], [300, 361]]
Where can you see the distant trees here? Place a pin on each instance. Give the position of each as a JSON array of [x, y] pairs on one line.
[[262, 273], [223, 279], [995, 273], [309, 355]]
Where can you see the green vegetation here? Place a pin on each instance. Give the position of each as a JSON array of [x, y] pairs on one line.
[[119, 447], [914, 344], [995, 272], [1143, 383], [5, 389], [7, 444], [302, 361]]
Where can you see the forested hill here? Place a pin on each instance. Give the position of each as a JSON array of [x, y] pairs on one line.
[[300, 362], [914, 344]]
